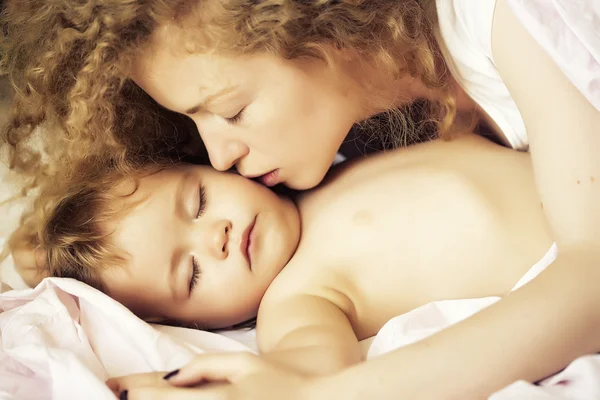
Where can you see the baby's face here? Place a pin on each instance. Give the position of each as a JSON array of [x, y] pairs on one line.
[[202, 246]]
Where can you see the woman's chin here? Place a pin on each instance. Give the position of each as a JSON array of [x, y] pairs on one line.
[[306, 181]]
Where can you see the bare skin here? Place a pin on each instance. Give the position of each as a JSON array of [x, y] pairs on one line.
[[444, 220], [380, 237]]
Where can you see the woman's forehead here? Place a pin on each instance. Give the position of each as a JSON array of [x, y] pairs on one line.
[[178, 82]]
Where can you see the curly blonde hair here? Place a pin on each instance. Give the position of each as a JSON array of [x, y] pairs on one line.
[[67, 61], [73, 230]]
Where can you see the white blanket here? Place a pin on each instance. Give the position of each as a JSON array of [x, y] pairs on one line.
[[63, 339]]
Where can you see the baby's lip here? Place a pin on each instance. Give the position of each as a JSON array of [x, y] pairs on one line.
[[245, 243]]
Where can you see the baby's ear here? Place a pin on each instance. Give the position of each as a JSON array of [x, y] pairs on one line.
[[31, 264]]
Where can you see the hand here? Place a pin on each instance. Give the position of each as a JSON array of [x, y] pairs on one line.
[[152, 386], [226, 376]]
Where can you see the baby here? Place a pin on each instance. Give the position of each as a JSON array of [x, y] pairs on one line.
[[380, 237]]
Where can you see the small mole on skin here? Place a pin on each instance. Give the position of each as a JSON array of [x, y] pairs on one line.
[[578, 182], [592, 179]]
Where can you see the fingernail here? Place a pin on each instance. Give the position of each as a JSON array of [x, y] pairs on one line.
[[123, 395], [170, 375]]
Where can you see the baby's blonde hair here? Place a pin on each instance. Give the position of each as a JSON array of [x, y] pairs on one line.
[[72, 230]]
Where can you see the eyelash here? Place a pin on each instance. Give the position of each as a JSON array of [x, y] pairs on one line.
[[195, 267], [202, 205], [195, 274], [236, 118]]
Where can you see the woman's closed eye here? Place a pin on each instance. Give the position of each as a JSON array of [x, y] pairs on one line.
[[237, 117], [195, 274]]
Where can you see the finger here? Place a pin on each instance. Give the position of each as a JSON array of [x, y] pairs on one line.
[[121, 383], [220, 392], [214, 367]]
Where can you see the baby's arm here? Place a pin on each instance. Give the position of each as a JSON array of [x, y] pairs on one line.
[[308, 334]]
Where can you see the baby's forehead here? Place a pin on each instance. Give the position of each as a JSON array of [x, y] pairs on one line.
[[147, 199], [144, 199], [149, 176]]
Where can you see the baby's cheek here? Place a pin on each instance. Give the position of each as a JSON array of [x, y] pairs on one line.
[[247, 306]]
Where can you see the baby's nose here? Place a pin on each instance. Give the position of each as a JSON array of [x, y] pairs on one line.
[[220, 239]]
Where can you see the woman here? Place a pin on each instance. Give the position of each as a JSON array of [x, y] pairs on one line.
[[273, 87]]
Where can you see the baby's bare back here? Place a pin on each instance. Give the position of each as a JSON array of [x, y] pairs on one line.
[[442, 220]]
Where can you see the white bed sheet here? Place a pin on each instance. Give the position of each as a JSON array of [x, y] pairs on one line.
[[63, 339]]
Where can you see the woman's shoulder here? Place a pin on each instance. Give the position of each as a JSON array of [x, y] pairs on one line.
[[465, 35], [467, 24]]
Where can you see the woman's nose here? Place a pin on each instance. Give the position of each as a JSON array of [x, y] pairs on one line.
[[225, 153]]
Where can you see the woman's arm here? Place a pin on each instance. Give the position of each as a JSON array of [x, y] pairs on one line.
[[528, 335], [539, 329], [563, 130]]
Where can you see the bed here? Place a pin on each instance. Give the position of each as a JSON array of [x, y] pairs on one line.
[[63, 339]]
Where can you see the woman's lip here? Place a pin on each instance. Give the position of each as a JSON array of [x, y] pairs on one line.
[[246, 242], [270, 178]]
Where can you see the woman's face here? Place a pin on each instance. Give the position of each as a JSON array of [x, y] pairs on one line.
[[277, 120]]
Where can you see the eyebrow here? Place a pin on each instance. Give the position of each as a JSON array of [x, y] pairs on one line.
[[210, 98]]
